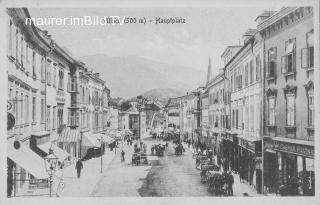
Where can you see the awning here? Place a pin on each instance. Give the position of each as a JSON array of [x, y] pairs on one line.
[[40, 133], [107, 139], [28, 160], [69, 135], [61, 154], [90, 140]]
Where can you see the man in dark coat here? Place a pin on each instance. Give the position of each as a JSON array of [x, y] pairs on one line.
[[79, 166], [230, 184]]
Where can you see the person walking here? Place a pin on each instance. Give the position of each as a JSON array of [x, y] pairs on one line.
[[122, 155], [79, 166], [230, 184]]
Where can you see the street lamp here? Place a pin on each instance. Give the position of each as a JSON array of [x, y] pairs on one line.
[[140, 107], [101, 151], [51, 161]]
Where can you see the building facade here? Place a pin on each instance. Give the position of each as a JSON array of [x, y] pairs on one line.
[[45, 104], [289, 98]]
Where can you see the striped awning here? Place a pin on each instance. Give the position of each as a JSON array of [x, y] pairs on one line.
[[27, 159], [69, 135]]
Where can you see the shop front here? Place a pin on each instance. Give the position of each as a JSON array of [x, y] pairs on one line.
[[229, 144], [249, 162], [295, 166]]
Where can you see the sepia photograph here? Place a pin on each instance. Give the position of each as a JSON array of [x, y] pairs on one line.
[[161, 101]]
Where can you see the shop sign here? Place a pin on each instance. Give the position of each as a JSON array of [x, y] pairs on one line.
[[294, 148]]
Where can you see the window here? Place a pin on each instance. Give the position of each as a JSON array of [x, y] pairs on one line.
[[290, 109], [246, 115], [42, 110], [42, 70], [237, 118], [310, 110], [27, 62], [21, 108], [272, 116], [73, 84], [288, 61], [251, 118], [272, 62], [48, 72], [233, 118], [307, 54], [258, 68], [16, 103], [251, 71], [60, 115], [27, 109], [73, 118], [54, 74], [61, 77], [33, 109], [33, 63], [10, 38], [246, 73], [48, 118], [232, 83], [22, 51], [17, 45], [54, 121]]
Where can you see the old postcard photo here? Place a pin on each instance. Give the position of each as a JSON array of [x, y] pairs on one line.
[[169, 101]]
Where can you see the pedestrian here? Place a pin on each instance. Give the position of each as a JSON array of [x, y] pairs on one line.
[[122, 155], [79, 166], [230, 184]]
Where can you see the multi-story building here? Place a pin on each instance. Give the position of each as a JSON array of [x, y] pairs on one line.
[[289, 98], [26, 54], [44, 99], [242, 145], [106, 110], [216, 111]]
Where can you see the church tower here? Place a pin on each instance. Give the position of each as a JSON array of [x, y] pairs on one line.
[[209, 73]]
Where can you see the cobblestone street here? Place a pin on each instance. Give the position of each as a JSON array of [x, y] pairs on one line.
[[174, 176]]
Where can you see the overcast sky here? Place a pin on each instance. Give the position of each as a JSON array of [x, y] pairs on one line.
[[207, 32]]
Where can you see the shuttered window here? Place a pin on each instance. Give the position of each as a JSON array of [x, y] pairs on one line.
[[288, 61], [290, 110], [272, 117]]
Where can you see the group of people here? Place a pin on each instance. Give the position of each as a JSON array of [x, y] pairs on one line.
[[229, 181]]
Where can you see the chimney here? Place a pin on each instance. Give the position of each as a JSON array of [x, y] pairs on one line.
[[209, 73]]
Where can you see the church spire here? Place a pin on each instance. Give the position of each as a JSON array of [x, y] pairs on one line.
[[209, 71]]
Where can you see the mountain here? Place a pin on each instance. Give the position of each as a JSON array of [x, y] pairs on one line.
[[129, 76], [162, 94]]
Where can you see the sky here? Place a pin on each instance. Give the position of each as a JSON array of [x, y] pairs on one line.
[[206, 32]]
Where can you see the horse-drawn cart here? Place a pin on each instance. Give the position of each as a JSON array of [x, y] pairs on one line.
[[158, 150], [178, 150], [139, 158]]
